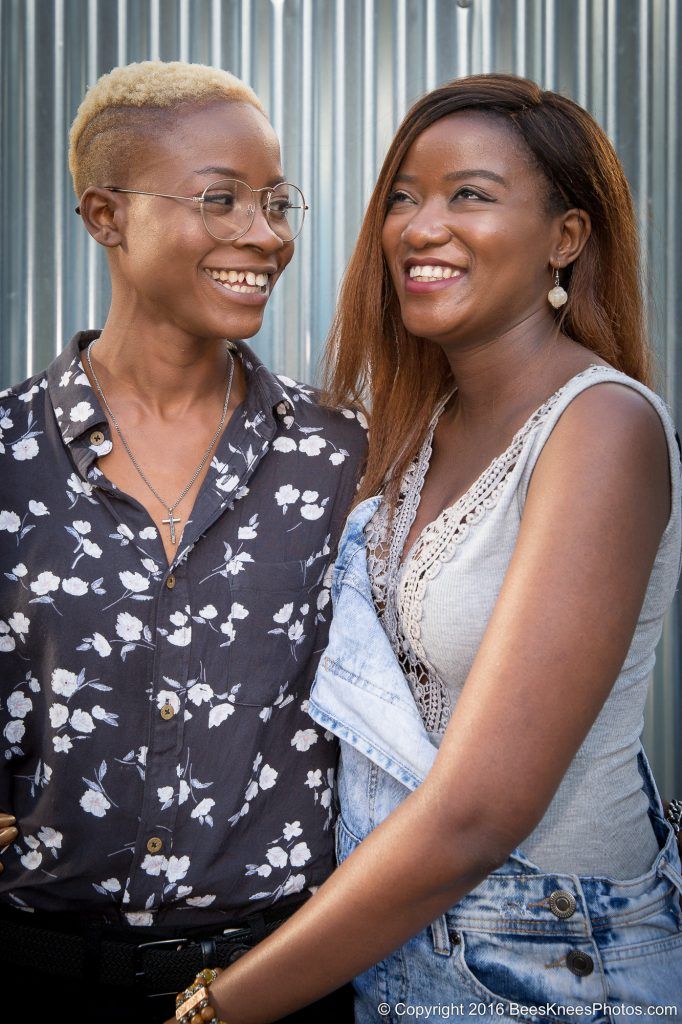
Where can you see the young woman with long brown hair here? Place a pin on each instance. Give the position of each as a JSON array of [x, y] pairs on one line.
[[499, 592]]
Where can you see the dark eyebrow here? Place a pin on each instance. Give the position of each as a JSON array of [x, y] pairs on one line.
[[459, 175], [228, 172]]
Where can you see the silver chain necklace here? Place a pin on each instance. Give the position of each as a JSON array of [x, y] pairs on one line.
[[172, 519]]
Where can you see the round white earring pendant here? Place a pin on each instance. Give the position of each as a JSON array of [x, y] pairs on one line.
[[557, 296]]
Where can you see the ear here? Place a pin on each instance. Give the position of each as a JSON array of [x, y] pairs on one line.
[[102, 213], [573, 230]]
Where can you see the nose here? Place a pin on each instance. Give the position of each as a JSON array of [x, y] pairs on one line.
[[427, 226], [260, 235]]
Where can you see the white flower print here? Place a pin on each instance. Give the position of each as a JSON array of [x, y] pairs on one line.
[[134, 582], [95, 803], [165, 795], [139, 918], [292, 830], [75, 586], [25, 449], [125, 531], [219, 713], [314, 779], [37, 508], [81, 721], [50, 837], [295, 631], [284, 444], [286, 495], [299, 855], [284, 614], [62, 744], [277, 857], [304, 739], [19, 570], [82, 527], [153, 864], [91, 549], [336, 458], [128, 627], [209, 612], [267, 777], [81, 412], [149, 533], [9, 521], [99, 713], [312, 445], [64, 682], [19, 705], [14, 731], [200, 901], [181, 637], [59, 714], [199, 693], [312, 511], [168, 697], [111, 885], [177, 868], [101, 645], [293, 884], [7, 642], [45, 583], [202, 811], [20, 623], [178, 618], [32, 860], [77, 486]]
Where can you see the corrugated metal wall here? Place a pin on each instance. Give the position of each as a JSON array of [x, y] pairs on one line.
[[336, 76]]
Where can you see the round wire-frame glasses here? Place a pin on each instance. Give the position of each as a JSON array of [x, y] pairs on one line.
[[228, 207]]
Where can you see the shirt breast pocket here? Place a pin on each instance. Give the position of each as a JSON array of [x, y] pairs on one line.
[[274, 617]]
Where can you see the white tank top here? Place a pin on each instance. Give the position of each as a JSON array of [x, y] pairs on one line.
[[436, 607]]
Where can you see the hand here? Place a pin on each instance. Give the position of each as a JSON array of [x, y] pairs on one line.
[[8, 833]]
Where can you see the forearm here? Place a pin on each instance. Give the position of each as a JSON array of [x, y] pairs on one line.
[[402, 877]]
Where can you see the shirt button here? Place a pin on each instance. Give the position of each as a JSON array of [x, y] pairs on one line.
[[170, 581], [562, 903], [167, 711], [579, 963], [97, 438], [154, 845]]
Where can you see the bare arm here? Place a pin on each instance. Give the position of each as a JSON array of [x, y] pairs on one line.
[[595, 512]]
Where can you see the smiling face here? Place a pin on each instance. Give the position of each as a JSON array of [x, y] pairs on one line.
[[468, 235], [171, 270]]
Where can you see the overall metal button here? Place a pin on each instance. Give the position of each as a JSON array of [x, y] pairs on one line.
[[170, 581], [97, 438], [579, 963], [154, 845], [562, 903], [167, 712]]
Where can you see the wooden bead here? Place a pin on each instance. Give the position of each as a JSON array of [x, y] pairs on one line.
[[196, 1018], [208, 1013]]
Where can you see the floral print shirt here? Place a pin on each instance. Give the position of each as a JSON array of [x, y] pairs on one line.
[[156, 749]]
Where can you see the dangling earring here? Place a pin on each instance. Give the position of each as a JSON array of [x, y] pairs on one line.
[[557, 295]]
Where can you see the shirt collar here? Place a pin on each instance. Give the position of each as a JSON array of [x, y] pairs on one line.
[[78, 409]]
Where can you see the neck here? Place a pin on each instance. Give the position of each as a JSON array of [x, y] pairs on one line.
[[496, 371], [164, 370]]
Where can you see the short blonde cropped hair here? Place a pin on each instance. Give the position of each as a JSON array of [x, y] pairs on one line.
[[137, 100]]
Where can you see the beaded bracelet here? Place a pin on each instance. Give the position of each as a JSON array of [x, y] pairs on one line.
[[192, 1005]]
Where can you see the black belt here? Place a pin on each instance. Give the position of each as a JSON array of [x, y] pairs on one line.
[[155, 966]]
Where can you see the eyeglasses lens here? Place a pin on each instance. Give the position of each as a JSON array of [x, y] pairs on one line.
[[228, 209]]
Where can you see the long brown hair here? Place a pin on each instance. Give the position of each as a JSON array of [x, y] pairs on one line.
[[371, 358]]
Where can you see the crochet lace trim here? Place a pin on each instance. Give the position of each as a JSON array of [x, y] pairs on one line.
[[398, 590]]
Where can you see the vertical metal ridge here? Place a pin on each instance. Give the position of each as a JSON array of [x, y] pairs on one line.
[[339, 220], [277, 108], [245, 67], [643, 209], [91, 277], [307, 181], [400, 61], [154, 30], [216, 33], [486, 29], [59, 134], [30, 100], [368, 103], [431, 50], [611, 79], [582, 54], [184, 30], [122, 33], [549, 30], [463, 51], [520, 67], [672, 204]]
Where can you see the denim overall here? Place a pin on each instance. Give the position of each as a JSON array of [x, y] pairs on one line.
[[524, 944]]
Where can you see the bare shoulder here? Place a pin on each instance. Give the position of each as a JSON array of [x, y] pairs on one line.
[[610, 440]]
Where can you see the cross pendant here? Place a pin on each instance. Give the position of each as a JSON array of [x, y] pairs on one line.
[[171, 522]]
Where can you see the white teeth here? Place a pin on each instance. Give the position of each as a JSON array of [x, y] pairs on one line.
[[433, 273], [240, 280]]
